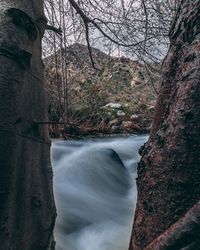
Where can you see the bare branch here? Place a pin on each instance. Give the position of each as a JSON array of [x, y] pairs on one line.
[[54, 29]]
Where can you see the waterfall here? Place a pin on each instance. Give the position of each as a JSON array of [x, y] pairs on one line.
[[95, 192]]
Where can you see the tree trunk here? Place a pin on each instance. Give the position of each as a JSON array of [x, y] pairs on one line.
[[168, 173], [27, 211]]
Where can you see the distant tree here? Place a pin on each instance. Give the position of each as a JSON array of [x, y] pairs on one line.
[[27, 211]]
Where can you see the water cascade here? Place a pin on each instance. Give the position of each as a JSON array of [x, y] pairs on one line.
[[95, 192]]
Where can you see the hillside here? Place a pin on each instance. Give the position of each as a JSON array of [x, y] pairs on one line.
[[115, 98]]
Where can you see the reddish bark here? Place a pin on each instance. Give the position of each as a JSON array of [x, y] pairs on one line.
[[184, 233], [168, 173]]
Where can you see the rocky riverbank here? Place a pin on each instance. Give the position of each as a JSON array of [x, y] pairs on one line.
[[120, 124], [119, 97]]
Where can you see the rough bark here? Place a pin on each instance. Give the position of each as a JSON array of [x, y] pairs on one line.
[[169, 171], [27, 211], [184, 234]]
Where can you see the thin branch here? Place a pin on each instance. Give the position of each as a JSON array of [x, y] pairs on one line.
[[88, 45], [86, 19], [54, 29], [146, 22]]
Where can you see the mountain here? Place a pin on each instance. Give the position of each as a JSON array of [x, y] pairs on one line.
[[116, 97]]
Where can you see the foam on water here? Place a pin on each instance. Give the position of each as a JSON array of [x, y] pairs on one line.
[[95, 192]]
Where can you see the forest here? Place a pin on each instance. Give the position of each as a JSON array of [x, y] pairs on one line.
[[99, 124]]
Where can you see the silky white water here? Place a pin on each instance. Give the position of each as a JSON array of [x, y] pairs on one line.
[[95, 192]]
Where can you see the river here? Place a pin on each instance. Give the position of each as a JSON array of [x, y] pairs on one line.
[[95, 192]]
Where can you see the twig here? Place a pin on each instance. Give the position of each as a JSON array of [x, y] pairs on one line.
[[88, 45], [92, 21]]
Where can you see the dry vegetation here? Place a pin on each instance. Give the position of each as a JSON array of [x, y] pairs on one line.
[[114, 99]]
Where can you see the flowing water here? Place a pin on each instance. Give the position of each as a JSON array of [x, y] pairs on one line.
[[95, 192]]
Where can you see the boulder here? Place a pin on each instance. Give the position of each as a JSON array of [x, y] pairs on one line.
[[134, 117], [113, 105], [120, 113], [115, 128], [127, 125], [115, 122]]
